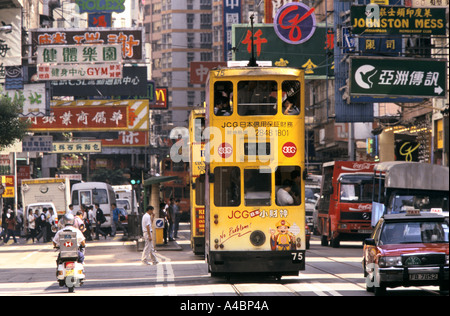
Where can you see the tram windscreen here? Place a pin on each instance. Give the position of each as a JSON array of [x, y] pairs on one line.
[[227, 186], [257, 98]]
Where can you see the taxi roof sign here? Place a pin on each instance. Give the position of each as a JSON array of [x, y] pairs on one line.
[[412, 212]]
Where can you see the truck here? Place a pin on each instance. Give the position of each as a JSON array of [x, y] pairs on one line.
[[344, 208], [46, 192]]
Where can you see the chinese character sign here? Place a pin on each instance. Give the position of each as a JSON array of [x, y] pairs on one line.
[[74, 54], [231, 15], [78, 71], [398, 77], [295, 23], [130, 40]]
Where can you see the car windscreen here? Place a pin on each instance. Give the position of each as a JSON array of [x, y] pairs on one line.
[[407, 232]]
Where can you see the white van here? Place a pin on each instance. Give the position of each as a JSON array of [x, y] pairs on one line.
[[89, 193]]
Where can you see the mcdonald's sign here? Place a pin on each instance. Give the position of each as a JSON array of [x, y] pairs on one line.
[[161, 96]]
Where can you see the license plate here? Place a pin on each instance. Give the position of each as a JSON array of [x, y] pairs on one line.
[[423, 276], [365, 231], [69, 272]]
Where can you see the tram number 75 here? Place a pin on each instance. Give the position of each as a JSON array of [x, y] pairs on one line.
[[297, 257]]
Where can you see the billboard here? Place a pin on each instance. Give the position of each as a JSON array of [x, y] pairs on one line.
[[78, 71], [397, 20], [130, 39], [105, 115], [313, 55], [74, 54], [231, 16], [132, 83], [381, 76]]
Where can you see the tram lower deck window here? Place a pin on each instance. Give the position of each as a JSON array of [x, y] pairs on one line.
[[287, 185], [257, 187], [227, 186]]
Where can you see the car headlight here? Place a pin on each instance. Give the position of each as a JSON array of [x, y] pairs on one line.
[[446, 259], [385, 262]]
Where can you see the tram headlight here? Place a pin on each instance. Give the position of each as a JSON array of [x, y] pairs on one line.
[[216, 219], [446, 259]]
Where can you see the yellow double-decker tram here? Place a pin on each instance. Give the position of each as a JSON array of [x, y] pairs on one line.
[[255, 213], [197, 176]]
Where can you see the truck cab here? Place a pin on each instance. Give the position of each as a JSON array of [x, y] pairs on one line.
[[345, 204]]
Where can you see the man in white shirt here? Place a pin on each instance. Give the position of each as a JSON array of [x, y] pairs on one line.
[[283, 195], [69, 221], [147, 220]]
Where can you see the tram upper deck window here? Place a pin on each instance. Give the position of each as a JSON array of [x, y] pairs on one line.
[[291, 97], [257, 98], [227, 186], [223, 98], [257, 187]]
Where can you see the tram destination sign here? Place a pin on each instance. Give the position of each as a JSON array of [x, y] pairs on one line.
[[375, 19], [398, 77]]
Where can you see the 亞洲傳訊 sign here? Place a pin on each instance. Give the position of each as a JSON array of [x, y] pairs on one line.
[[408, 77], [74, 54], [78, 71]]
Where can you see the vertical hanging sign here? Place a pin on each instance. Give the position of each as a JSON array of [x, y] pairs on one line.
[[231, 15]]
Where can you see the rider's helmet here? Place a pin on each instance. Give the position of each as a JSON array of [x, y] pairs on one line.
[[69, 219]]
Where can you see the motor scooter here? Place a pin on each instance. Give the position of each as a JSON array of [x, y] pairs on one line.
[[70, 272]]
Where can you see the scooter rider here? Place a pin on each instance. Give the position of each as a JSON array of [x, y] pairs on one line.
[[68, 222]]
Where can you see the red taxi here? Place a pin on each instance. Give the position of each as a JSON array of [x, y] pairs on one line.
[[408, 249]]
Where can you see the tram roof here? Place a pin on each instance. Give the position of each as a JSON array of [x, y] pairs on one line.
[[414, 175], [261, 71]]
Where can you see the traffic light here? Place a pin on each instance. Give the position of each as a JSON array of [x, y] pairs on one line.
[[135, 176]]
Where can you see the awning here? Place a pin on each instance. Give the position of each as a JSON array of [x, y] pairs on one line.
[[155, 180]]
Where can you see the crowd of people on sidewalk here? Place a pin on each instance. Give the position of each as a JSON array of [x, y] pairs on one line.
[[40, 225]]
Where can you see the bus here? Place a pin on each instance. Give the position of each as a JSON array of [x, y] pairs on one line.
[[177, 189], [401, 186], [197, 175], [255, 166]]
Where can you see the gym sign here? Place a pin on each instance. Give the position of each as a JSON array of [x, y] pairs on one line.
[[398, 77]]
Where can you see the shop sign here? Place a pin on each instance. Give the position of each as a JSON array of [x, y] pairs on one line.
[[133, 83], [100, 5], [128, 139], [398, 77], [130, 39], [295, 23], [311, 55], [375, 19], [37, 143], [94, 115], [74, 54], [79, 71], [84, 118], [77, 147], [32, 96]]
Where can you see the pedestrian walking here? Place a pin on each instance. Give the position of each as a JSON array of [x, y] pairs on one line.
[[99, 220], [163, 215], [42, 223], [171, 218], [117, 221], [177, 215], [31, 226], [11, 227], [147, 231]]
